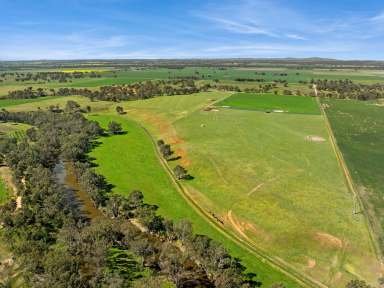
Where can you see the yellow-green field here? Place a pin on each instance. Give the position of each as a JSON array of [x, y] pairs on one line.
[[272, 178]]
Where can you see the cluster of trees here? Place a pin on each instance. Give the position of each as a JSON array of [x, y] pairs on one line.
[[33, 229], [141, 90], [166, 151], [223, 87], [266, 88], [347, 89], [28, 93], [281, 74], [58, 247], [50, 76], [250, 79], [115, 128], [261, 88]]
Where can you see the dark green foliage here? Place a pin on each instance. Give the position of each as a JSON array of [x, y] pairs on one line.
[[165, 149], [120, 110], [72, 106], [358, 284], [122, 262], [346, 89], [114, 127]]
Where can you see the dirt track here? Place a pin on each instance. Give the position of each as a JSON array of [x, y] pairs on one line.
[[238, 238]]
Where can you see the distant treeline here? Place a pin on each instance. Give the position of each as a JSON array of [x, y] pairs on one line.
[[347, 89], [141, 90], [261, 80], [129, 246], [261, 88], [290, 63], [250, 79], [49, 76]]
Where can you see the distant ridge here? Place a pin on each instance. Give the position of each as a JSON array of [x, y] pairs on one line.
[[289, 62]]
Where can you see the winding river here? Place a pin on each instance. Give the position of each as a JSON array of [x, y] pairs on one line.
[[65, 175]]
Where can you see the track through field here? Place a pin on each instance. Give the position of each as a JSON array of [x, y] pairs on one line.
[[280, 265], [358, 202]]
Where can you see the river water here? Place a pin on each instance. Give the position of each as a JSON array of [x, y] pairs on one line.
[[65, 175]]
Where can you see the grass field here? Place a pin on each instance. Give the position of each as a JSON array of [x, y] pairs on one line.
[[15, 130], [359, 130], [129, 162], [271, 102], [273, 178], [12, 102], [4, 193]]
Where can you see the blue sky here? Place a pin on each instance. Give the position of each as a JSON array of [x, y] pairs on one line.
[[91, 29]]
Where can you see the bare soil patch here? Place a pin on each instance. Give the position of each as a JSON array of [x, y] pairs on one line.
[[210, 109], [242, 227], [311, 263], [313, 138], [184, 161], [329, 240], [166, 130]]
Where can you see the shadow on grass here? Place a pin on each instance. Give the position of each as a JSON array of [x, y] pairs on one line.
[[175, 158]]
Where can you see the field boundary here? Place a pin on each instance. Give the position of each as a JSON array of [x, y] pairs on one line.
[[350, 183], [279, 265]]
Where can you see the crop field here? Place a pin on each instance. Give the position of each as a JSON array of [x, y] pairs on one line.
[[260, 173], [271, 103], [359, 130]]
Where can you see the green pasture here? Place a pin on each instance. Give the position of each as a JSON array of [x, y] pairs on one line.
[[12, 102], [4, 193], [46, 102], [16, 130], [129, 162], [359, 129], [271, 103], [284, 187]]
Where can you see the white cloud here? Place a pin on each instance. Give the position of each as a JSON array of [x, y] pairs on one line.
[[274, 48], [240, 27], [378, 18], [295, 37]]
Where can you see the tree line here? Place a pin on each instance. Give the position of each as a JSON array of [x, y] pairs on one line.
[[49, 76], [140, 90], [347, 89]]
